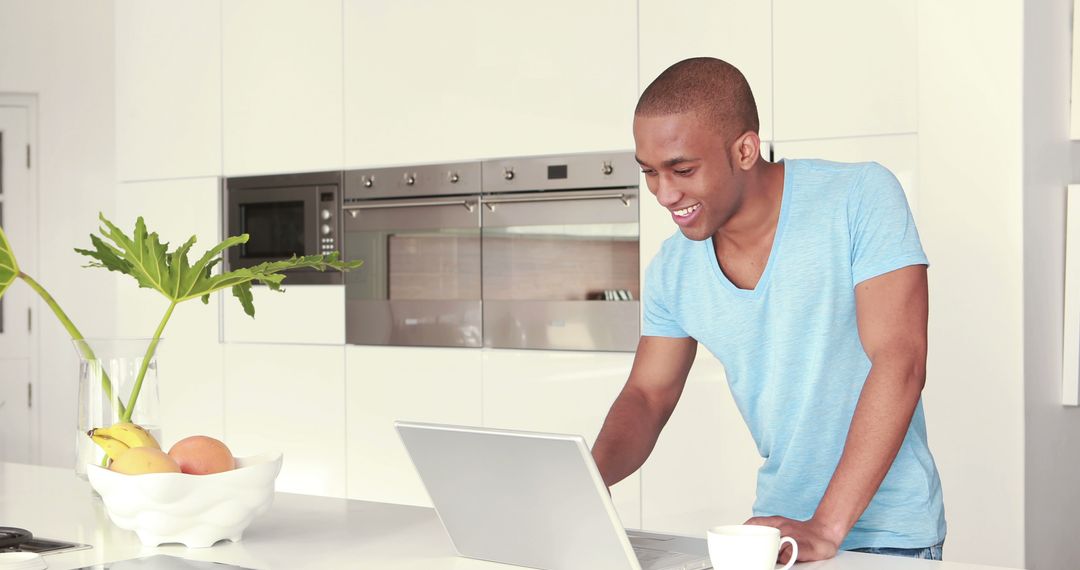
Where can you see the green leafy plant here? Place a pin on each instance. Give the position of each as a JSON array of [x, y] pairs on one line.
[[144, 257]]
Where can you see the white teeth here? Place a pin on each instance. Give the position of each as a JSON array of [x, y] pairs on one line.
[[687, 211]]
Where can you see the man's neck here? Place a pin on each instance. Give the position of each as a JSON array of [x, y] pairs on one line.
[[759, 212]]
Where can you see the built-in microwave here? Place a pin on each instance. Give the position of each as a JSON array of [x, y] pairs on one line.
[[284, 215]]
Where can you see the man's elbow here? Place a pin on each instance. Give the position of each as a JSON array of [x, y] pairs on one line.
[[916, 376], [905, 367]]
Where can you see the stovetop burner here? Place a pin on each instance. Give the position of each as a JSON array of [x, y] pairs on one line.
[[13, 539]]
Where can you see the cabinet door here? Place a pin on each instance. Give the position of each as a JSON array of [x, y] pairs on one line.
[[437, 385], [433, 81], [15, 411], [737, 32], [703, 469], [898, 153], [168, 89], [281, 77], [560, 392], [307, 314], [189, 356], [844, 68], [289, 398]]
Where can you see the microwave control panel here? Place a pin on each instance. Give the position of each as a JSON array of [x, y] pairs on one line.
[[328, 209]]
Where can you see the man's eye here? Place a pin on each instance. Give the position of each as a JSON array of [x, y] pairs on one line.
[[685, 172], [648, 172]]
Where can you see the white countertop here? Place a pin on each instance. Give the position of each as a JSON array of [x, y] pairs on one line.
[[299, 531]]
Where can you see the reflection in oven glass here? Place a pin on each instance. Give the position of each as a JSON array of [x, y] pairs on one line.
[[561, 263]]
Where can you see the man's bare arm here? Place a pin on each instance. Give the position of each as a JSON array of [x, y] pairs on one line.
[[635, 419], [891, 310]]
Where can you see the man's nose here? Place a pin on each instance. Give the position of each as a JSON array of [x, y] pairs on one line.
[[666, 193]]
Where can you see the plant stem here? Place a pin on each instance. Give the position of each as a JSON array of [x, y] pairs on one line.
[[84, 347], [146, 363]]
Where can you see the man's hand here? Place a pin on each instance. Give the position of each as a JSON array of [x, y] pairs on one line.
[[816, 542]]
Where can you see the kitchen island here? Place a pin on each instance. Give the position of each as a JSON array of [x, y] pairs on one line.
[[299, 531]]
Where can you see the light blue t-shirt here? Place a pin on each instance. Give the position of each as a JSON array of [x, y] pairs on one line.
[[791, 348]]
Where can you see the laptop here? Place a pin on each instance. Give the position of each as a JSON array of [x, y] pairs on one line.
[[535, 500]]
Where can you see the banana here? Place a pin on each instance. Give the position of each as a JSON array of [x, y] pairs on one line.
[[120, 437]]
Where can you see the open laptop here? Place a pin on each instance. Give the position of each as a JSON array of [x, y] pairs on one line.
[[533, 499]]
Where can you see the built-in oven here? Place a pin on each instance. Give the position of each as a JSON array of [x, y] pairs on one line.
[[284, 215], [417, 229], [560, 256]]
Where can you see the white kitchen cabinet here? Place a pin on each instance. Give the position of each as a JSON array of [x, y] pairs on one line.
[[281, 85], [898, 153], [559, 392], [189, 356], [384, 384], [168, 89], [301, 314], [433, 81], [844, 68], [703, 470], [15, 411], [291, 399], [737, 32]]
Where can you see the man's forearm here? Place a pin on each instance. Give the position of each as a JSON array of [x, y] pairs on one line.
[[628, 435], [882, 417]]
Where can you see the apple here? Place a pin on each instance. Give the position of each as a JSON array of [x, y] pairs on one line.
[[202, 455]]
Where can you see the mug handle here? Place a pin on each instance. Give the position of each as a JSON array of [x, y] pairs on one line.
[[794, 551]]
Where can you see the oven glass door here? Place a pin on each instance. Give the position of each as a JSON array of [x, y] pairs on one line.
[[420, 282], [561, 270]]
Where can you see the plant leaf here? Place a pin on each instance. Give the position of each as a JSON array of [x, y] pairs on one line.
[[148, 261], [243, 292], [9, 268]]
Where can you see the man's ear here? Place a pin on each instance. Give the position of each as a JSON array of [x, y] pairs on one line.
[[745, 150]]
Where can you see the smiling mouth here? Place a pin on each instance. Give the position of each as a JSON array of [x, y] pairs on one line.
[[686, 211]]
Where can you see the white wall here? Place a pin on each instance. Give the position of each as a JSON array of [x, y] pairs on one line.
[[970, 222], [63, 52], [1052, 431]]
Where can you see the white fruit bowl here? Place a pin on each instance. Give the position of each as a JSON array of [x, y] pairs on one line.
[[195, 510]]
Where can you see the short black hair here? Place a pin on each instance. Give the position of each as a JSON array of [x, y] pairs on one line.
[[706, 85]]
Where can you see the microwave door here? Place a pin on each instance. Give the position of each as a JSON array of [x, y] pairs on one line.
[[280, 223], [561, 270], [420, 285]]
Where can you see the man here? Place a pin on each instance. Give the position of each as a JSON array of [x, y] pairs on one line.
[[808, 281]]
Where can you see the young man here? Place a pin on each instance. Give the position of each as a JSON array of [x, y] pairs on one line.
[[807, 280]]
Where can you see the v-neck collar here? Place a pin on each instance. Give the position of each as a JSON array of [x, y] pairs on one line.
[[781, 222]]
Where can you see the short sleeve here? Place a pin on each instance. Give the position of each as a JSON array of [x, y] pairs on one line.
[[883, 233], [657, 318]]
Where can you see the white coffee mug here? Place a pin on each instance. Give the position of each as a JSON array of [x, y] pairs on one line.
[[747, 547]]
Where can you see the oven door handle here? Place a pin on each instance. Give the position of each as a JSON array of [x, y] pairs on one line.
[[353, 209], [621, 196]]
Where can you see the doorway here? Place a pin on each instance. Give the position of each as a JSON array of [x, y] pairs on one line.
[[19, 305]]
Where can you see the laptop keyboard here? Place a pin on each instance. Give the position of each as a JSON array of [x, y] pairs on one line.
[[653, 559]]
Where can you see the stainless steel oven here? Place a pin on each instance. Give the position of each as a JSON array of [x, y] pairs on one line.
[[417, 229], [559, 243], [285, 215]]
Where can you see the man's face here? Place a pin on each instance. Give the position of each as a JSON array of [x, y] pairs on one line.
[[688, 167]]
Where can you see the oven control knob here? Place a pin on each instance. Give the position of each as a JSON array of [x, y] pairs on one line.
[[410, 179], [325, 229], [325, 214], [454, 178], [608, 169], [369, 181], [509, 174]]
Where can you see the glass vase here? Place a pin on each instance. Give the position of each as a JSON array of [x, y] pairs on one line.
[[109, 370]]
